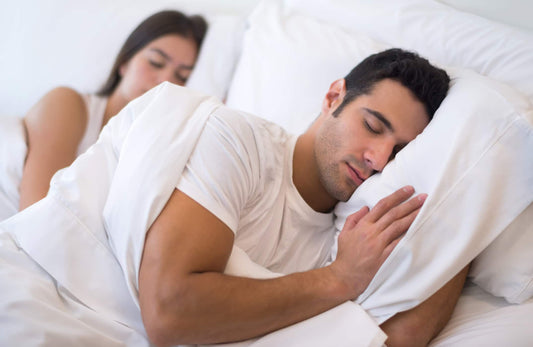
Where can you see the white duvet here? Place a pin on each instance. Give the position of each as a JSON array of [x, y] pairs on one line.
[[69, 263]]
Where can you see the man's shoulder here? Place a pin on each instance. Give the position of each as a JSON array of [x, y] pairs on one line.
[[251, 127], [256, 143]]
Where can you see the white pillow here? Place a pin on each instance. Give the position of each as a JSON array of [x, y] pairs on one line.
[[439, 32], [288, 62], [293, 50], [505, 268], [219, 55], [474, 160], [481, 319]]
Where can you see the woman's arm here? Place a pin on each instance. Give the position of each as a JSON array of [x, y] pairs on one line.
[[54, 127]]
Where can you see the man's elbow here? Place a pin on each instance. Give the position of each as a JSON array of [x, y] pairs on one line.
[[408, 337], [159, 333], [166, 324]]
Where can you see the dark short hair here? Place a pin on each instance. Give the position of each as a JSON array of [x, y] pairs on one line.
[[428, 83], [157, 25]]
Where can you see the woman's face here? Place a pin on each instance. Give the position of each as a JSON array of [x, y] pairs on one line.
[[167, 58]]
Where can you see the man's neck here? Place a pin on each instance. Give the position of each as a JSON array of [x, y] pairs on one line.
[[306, 178]]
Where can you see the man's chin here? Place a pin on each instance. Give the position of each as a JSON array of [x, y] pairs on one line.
[[346, 195]]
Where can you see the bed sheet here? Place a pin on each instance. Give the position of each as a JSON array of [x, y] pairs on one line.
[[482, 319], [12, 156]]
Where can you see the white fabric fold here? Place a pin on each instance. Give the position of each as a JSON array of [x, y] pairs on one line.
[[150, 164], [346, 325], [88, 233]]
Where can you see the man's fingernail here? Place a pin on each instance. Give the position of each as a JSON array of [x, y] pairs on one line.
[[408, 189], [422, 197]]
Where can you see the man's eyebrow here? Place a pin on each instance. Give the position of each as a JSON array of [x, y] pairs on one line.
[[167, 57], [381, 117]]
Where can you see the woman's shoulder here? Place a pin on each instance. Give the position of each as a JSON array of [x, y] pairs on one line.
[[64, 94], [61, 104], [60, 112]]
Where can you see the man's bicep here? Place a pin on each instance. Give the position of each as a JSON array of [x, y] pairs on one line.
[[184, 239]]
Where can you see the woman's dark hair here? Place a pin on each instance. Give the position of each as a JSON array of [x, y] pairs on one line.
[[157, 25], [428, 83]]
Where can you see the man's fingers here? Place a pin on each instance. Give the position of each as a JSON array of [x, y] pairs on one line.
[[390, 247], [389, 202], [395, 232], [400, 211], [396, 229], [354, 218]]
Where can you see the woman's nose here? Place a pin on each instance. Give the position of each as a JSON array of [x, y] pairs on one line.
[[167, 75]]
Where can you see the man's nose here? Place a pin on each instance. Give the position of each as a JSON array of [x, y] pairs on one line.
[[378, 156]]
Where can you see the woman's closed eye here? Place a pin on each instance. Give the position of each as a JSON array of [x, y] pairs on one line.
[[156, 64]]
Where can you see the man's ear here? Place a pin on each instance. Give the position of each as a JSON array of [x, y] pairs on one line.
[[334, 96]]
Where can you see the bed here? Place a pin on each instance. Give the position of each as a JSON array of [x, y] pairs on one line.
[[316, 42]]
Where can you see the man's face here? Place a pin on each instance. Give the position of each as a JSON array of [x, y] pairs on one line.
[[366, 135]]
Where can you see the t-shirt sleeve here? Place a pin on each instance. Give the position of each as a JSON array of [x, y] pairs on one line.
[[222, 170]]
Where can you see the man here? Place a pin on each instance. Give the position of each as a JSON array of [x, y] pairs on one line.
[[112, 248], [251, 184]]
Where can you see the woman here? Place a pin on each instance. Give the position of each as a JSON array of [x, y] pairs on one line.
[[64, 123]]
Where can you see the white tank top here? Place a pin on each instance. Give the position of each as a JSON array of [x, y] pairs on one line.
[[95, 114], [13, 150]]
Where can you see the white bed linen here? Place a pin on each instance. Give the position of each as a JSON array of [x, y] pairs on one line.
[[82, 244], [481, 319], [531, 311], [12, 155], [444, 35], [65, 233]]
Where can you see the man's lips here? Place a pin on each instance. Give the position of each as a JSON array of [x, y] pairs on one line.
[[355, 175]]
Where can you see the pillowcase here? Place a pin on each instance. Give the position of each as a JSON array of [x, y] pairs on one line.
[[446, 36], [505, 267], [293, 49], [218, 56], [288, 62], [474, 161]]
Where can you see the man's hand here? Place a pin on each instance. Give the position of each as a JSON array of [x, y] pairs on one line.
[[186, 299], [368, 237]]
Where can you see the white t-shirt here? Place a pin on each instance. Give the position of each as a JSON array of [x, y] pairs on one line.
[[241, 171]]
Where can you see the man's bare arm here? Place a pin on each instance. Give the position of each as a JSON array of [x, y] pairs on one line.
[[419, 325], [185, 297]]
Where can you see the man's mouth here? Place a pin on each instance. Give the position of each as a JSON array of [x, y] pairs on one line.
[[355, 175]]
